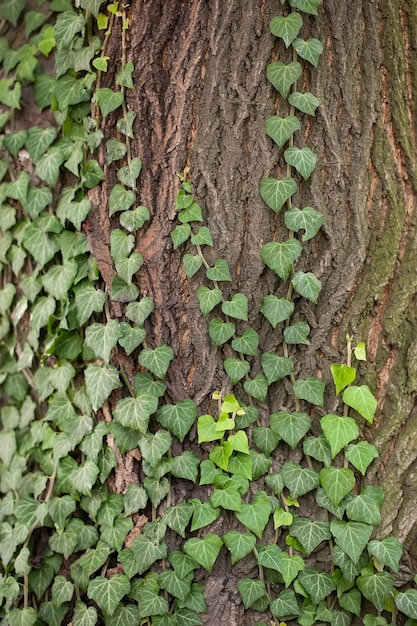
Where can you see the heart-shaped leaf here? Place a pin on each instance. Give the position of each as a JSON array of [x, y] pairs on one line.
[[310, 389], [208, 299], [317, 584], [247, 343], [280, 257], [291, 427], [220, 271], [339, 431], [310, 50], [281, 129], [130, 173], [239, 544], [297, 333], [276, 192], [310, 533], [134, 220], [255, 516], [306, 285], [107, 592], [303, 159], [276, 367], [308, 6], [388, 551], [236, 369], [283, 76], [257, 387], [276, 310], [178, 418], [192, 264], [308, 219], [376, 588], [298, 480], [204, 551], [157, 361], [286, 27], [138, 312], [361, 455], [108, 100], [337, 482], [362, 400], [134, 413], [237, 307], [304, 102], [220, 332]]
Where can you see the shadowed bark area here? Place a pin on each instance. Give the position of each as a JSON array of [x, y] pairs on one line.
[[201, 98]]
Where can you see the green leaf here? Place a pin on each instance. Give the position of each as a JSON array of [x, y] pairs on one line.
[[239, 544], [276, 310], [283, 76], [68, 24], [297, 333], [291, 427], [14, 141], [236, 369], [220, 332], [100, 381], [307, 219], [59, 279], [339, 431], [180, 234], [280, 256], [47, 167], [153, 447], [317, 584], [286, 27], [27, 616], [207, 429], [310, 533], [237, 307], [131, 337], [281, 129], [138, 312], [122, 292], [304, 102], [178, 517], [388, 552], [60, 509], [64, 543], [178, 418], [202, 238], [319, 449], [156, 489], [298, 480], [285, 605], [102, 338], [376, 588], [208, 299], [306, 285], [282, 518], [337, 482], [204, 551], [229, 498], [257, 387], [108, 592], [129, 174], [310, 389], [88, 300], [157, 361], [193, 213], [186, 466], [120, 199], [276, 192], [134, 413], [116, 150], [265, 439], [310, 50], [220, 271], [134, 220], [108, 100], [276, 367], [128, 267], [192, 264], [84, 616], [251, 591], [351, 537], [361, 455], [407, 603], [83, 478], [366, 506], [10, 10], [256, 516], [360, 351], [125, 124], [247, 343], [362, 400], [343, 375], [220, 455], [308, 6], [174, 585]]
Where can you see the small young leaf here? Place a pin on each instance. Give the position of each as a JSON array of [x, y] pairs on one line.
[[362, 400], [307, 219], [276, 192], [281, 129], [343, 375], [283, 76]]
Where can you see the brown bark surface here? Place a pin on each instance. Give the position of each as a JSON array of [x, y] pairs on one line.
[[201, 98]]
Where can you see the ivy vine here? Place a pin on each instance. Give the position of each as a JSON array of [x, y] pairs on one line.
[[72, 549]]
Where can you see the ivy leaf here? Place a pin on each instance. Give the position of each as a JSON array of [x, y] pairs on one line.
[[251, 591], [407, 603], [318, 585], [157, 361], [310, 389], [310, 533], [308, 219], [134, 413], [237, 307], [84, 615], [208, 299], [276, 310], [376, 588], [108, 592], [174, 585], [153, 447], [351, 537], [342, 375], [186, 466], [366, 506], [192, 264], [229, 498], [276, 192], [134, 220], [180, 234], [204, 551], [220, 455], [236, 369], [202, 238], [257, 387], [298, 480], [120, 199], [100, 381], [239, 544], [131, 337], [279, 257], [47, 167], [207, 429], [68, 24], [362, 400], [308, 6], [247, 343], [291, 427], [319, 449], [108, 100], [265, 439], [220, 271], [256, 516], [286, 27], [281, 129], [193, 213], [83, 478], [122, 292], [297, 333], [337, 482], [27, 616], [88, 300], [14, 141], [285, 605], [129, 174], [276, 367], [339, 431], [138, 312], [102, 338], [361, 455], [220, 332], [388, 552], [283, 76], [178, 418], [156, 489], [310, 50], [178, 517], [304, 102]]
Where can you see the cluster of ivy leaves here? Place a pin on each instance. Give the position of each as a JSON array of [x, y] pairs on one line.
[[71, 550]]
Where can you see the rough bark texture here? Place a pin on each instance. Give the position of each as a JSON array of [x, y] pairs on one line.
[[201, 98]]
